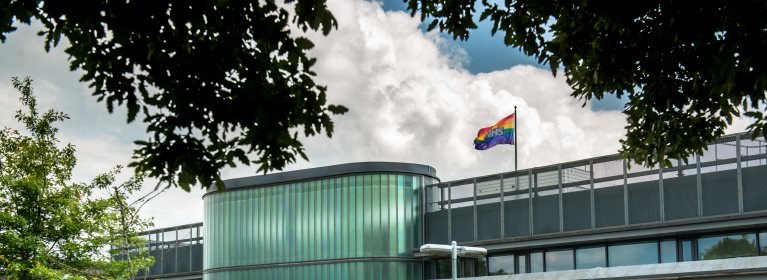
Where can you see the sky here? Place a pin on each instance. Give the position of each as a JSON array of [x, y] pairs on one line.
[[414, 96]]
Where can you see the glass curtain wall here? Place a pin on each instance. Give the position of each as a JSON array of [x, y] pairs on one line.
[[338, 271], [375, 215]]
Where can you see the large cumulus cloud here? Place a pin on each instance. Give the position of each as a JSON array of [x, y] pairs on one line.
[[409, 97], [411, 101]]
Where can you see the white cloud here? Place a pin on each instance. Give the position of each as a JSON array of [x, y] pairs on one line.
[[409, 101]]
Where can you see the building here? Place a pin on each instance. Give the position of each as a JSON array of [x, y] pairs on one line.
[[594, 218]]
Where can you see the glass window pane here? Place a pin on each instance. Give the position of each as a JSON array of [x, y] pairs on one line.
[[557, 260], [522, 261], [763, 243], [687, 251], [668, 251], [536, 262], [501, 265], [633, 254], [444, 269], [727, 246], [467, 267], [586, 258], [482, 267]]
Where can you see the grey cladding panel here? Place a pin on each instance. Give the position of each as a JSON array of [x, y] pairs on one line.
[[183, 263], [546, 214], [720, 192], [489, 221], [516, 215], [462, 224], [576, 207], [680, 197], [436, 227], [197, 257], [157, 267], [754, 188], [169, 261], [608, 206], [644, 202]]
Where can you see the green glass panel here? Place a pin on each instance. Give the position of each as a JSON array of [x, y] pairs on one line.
[[383, 223], [261, 226], [323, 228], [373, 244], [337, 235], [363, 216], [304, 221], [345, 217], [318, 220], [401, 225], [394, 223], [352, 217]]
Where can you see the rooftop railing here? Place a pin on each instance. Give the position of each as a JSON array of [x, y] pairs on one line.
[[730, 178], [176, 250]]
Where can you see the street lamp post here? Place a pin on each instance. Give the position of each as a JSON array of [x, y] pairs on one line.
[[454, 252]]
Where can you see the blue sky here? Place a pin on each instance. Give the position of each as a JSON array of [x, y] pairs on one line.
[[488, 53]]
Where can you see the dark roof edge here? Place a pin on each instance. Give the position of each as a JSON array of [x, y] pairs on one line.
[[327, 171]]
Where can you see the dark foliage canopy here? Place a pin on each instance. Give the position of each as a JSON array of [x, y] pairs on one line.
[[687, 67], [214, 80]]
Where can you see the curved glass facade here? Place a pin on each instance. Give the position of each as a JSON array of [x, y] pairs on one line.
[[338, 271], [360, 216]]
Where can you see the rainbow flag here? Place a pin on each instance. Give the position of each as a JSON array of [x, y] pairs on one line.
[[501, 133]]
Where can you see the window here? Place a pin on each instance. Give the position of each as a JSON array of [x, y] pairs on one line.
[[444, 269], [557, 260], [668, 251], [482, 267], [586, 258], [536, 262], [468, 267], [727, 246], [522, 261], [763, 243], [501, 265], [633, 254], [685, 249]]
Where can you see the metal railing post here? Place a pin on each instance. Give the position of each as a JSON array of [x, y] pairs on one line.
[[660, 189], [449, 212], [625, 193], [503, 234], [475, 210], [561, 211], [740, 175], [530, 199], [700, 186], [591, 193]]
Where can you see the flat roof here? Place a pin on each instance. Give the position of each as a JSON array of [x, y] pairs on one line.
[[327, 171]]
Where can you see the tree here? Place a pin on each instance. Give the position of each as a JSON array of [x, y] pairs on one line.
[[214, 80], [51, 228], [687, 68]]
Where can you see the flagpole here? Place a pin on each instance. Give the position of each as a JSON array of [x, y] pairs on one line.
[[516, 139]]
